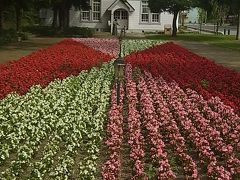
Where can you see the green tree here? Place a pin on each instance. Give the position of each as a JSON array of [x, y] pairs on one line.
[[202, 16], [61, 10], [219, 10], [4, 4], [21, 6], [173, 7], [235, 5]]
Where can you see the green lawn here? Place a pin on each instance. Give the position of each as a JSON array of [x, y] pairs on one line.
[[13, 51], [234, 45], [217, 40]]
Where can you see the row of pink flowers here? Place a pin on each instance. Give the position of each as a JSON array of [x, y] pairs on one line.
[[110, 169], [107, 46], [226, 112], [136, 139], [169, 126], [152, 126], [220, 117], [190, 130], [207, 131]]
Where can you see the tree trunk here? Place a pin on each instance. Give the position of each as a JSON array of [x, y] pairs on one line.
[[238, 27], [18, 18], [217, 27], [201, 27], [61, 18], [66, 17], [183, 20], [174, 25], [55, 17], [1, 20]]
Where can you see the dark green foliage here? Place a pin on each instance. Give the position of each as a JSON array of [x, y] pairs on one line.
[[78, 32], [171, 5], [67, 32], [7, 36]]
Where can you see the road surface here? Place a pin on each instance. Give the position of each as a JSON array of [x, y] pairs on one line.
[[210, 27]]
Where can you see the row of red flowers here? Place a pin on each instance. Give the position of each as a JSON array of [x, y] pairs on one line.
[[189, 70], [58, 61]]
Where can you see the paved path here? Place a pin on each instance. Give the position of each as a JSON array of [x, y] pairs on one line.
[[15, 51], [226, 57], [210, 27]]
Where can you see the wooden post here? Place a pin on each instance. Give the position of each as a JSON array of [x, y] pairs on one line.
[[238, 26], [118, 92]]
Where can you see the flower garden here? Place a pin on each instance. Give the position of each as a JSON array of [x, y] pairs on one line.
[[178, 116]]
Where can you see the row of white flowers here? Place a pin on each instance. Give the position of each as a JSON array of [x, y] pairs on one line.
[[44, 133], [131, 46]]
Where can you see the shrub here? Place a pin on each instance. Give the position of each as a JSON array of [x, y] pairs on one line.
[[41, 30], [7, 36], [23, 35], [67, 32], [78, 32]]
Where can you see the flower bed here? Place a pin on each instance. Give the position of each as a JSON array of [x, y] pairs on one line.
[[58, 61], [51, 131], [175, 63], [107, 46], [176, 120], [131, 46], [170, 123]]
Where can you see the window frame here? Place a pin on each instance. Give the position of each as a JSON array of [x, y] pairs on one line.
[[123, 14], [152, 19], [149, 14], [85, 20], [144, 3], [92, 11], [96, 12]]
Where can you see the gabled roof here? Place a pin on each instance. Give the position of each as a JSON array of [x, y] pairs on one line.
[[130, 8]]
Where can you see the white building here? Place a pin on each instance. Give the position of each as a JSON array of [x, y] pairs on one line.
[[133, 14], [192, 16]]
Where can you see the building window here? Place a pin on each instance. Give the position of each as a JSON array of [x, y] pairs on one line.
[[145, 11], [146, 15], [85, 16], [93, 14], [145, 18], [155, 17], [117, 14], [124, 15], [96, 10], [120, 14]]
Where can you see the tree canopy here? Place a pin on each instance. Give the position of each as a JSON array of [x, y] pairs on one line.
[[60, 7], [171, 6], [234, 5]]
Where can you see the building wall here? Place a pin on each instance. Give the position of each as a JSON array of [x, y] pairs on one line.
[[192, 16], [46, 15], [102, 24], [135, 23]]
